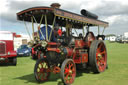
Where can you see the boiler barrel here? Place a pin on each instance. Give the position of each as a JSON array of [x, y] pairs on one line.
[[68, 51], [88, 14]]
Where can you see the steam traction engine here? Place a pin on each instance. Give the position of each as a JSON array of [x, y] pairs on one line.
[[68, 52]]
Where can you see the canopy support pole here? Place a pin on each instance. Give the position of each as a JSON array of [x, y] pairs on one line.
[[98, 30], [41, 20], [87, 29], [27, 30], [52, 28], [39, 29], [103, 30], [83, 31], [68, 26], [75, 30], [46, 27], [32, 28]]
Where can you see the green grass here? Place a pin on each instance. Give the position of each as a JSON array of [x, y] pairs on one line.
[[117, 74]]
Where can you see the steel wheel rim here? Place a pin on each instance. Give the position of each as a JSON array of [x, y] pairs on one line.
[[69, 72], [101, 57], [43, 71]]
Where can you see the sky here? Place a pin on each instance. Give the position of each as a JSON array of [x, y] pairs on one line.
[[113, 11]]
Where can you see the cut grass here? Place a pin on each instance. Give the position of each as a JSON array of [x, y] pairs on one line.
[[117, 73]]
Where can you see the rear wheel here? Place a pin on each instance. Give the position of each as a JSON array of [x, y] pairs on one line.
[[42, 70], [98, 56], [68, 71]]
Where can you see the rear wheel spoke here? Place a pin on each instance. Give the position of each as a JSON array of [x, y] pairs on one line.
[[103, 52], [100, 46], [100, 68], [102, 62], [70, 65], [66, 71], [66, 77], [98, 50]]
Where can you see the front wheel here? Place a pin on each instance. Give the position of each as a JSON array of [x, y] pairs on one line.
[[68, 71], [98, 56], [42, 70]]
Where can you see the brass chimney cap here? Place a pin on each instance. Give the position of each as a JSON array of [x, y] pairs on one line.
[[55, 5]]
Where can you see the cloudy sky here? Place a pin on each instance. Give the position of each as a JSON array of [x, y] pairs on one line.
[[113, 11]]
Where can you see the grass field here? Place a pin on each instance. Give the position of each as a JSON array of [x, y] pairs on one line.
[[117, 73]]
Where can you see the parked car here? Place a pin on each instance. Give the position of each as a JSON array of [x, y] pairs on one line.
[[125, 39], [24, 50], [119, 38], [112, 38]]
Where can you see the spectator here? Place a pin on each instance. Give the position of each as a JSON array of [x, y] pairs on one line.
[[59, 32]]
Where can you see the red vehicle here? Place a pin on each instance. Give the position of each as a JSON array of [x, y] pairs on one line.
[[69, 52], [7, 53]]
